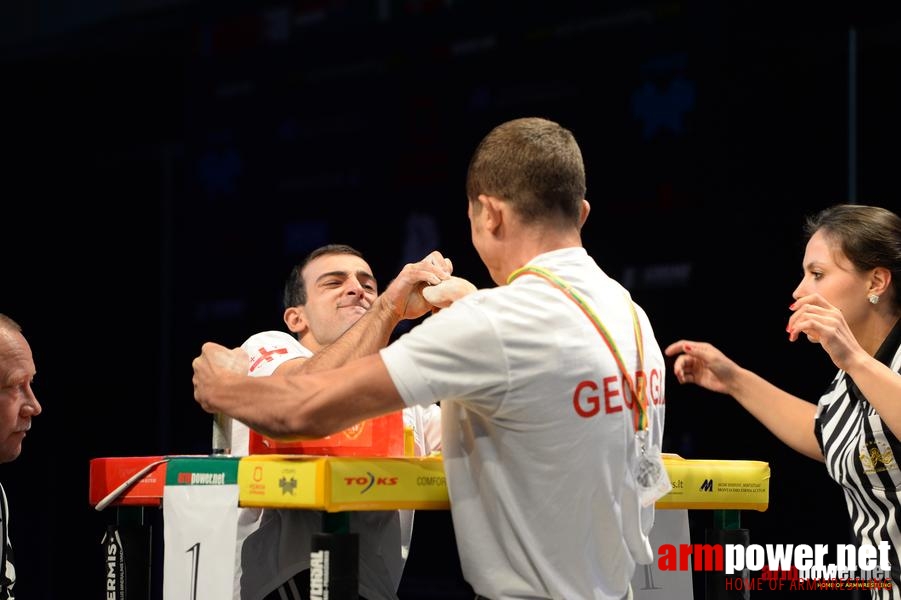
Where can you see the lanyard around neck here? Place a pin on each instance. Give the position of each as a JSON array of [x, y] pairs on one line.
[[639, 398]]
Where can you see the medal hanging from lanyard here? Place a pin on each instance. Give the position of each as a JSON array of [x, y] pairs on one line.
[[647, 464]]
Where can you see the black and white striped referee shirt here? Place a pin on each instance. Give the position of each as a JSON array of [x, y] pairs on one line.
[[862, 456]]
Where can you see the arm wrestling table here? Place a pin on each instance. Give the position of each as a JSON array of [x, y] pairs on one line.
[[340, 484]]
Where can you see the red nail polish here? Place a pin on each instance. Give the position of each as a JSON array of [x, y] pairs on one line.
[[792, 306]]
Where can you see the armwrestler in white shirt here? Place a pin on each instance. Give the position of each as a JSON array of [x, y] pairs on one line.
[[324, 296]]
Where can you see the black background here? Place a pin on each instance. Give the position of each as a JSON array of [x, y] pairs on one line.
[[165, 167]]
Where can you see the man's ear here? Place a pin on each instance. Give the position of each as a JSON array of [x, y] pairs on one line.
[[583, 216], [296, 320], [494, 209]]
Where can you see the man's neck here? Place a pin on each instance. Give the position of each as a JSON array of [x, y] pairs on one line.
[[536, 242]]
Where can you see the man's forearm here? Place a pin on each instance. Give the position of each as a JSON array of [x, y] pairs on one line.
[[367, 336]]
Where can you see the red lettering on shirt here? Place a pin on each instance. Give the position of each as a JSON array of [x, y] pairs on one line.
[[267, 356], [592, 403], [617, 396], [611, 393]]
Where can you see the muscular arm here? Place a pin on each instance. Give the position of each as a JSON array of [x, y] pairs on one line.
[[367, 336], [300, 405], [341, 385]]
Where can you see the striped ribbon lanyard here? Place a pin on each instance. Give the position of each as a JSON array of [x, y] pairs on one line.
[[639, 398]]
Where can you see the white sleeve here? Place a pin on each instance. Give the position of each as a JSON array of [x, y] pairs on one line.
[[269, 349], [456, 353]]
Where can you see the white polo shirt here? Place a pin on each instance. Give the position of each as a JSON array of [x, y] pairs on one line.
[[535, 430]]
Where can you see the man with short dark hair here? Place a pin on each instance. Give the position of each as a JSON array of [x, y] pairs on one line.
[[324, 296]]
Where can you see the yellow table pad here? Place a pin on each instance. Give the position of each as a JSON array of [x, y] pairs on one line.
[[716, 484], [334, 483]]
